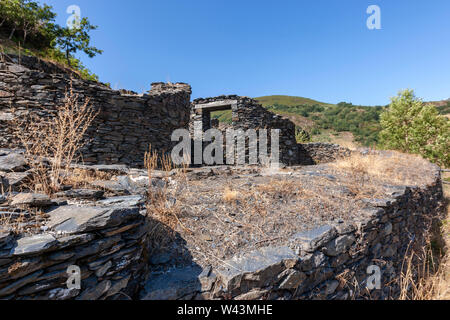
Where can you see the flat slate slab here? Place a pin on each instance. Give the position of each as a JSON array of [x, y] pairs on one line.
[[111, 186], [34, 244], [130, 201], [16, 179], [115, 168], [75, 219], [312, 239], [260, 265], [81, 194]]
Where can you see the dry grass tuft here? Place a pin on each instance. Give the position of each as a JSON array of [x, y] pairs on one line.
[[279, 189], [423, 277], [230, 195], [51, 143]]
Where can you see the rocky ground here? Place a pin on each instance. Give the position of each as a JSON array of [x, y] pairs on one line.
[[221, 211], [201, 217]]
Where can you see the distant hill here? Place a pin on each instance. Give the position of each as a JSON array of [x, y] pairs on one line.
[[439, 103], [290, 101], [443, 107], [323, 121]]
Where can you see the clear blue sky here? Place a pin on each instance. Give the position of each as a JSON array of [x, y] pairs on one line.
[[319, 49]]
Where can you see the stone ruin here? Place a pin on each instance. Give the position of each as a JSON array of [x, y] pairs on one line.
[[125, 126], [248, 114], [108, 236], [127, 122]]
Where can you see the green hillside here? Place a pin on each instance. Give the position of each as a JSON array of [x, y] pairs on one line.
[[323, 121], [288, 101], [270, 102]]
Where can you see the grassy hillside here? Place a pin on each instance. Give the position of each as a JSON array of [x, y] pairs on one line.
[[270, 101], [289, 101], [28, 28]]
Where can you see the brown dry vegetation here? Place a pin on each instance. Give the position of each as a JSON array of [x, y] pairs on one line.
[[397, 168], [426, 273], [435, 284], [234, 210], [51, 143], [221, 214]]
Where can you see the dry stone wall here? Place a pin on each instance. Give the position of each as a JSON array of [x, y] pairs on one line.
[[107, 242], [331, 261], [126, 125], [316, 153]]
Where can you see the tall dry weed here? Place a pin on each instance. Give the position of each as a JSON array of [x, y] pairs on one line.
[[51, 142]]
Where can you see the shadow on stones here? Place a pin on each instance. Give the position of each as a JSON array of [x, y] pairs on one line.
[[304, 156], [173, 275]]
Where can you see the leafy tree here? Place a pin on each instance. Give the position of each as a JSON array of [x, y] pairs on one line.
[[25, 16], [411, 126], [77, 38]]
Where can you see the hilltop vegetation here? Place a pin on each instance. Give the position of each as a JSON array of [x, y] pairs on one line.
[[336, 123], [29, 28], [289, 101], [318, 117]]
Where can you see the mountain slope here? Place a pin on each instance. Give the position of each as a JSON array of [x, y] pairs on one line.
[[290, 101]]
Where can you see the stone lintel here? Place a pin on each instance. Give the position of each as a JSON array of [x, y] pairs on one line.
[[217, 105]]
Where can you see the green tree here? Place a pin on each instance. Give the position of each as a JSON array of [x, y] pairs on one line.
[[77, 38], [26, 16], [408, 125]]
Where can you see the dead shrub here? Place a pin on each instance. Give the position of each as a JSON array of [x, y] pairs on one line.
[[51, 143], [80, 178], [230, 195]]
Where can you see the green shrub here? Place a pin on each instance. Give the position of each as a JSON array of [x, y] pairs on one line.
[[411, 126]]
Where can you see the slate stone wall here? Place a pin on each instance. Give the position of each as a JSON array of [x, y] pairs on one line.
[[126, 125], [316, 153], [107, 243]]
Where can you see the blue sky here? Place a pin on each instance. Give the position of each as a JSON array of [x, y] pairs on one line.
[[319, 49]]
